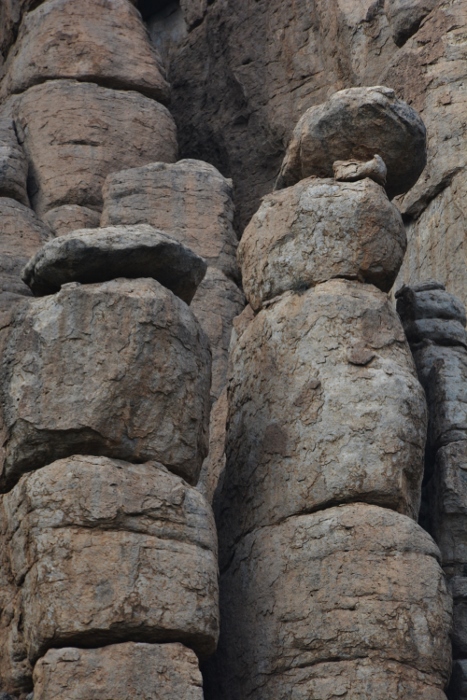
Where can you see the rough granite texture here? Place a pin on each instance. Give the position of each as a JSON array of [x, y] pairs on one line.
[[121, 672], [13, 164], [112, 130], [105, 551], [317, 230], [358, 123], [21, 235], [348, 583], [89, 41], [120, 368], [189, 200], [103, 254], [324, 408], [71, 217]]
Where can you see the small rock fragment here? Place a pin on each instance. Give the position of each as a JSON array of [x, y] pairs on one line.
[[353, 170]]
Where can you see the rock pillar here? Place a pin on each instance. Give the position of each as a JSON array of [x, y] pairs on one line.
[[329, 587]]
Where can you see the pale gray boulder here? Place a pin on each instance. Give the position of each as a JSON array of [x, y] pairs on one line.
[[99, 255]]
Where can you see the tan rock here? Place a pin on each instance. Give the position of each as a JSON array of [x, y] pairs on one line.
[[353, 170], [353, 583], [13, 164], [355, 124], [189, 200], [105, 551], [75, 134], [86, 41], [21, 235], [216, 303], [98, 255], [324, 408], [120, 368], [122, 672], [214, 464], [317, 230], [71, 217]]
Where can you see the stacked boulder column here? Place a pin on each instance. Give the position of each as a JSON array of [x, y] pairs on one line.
[[108, 583], [434, 321], [329, 587], [106, 542]]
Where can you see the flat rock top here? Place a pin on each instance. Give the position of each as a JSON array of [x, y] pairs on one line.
[[98, 255], [357, 124]]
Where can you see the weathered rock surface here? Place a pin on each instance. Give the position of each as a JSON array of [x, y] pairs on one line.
[[405, 16], [112, 130], [216, 303], [104, 254], [317, 230], [437, 330], [458, 588], [428, 300], [120, 368], [21, 235], [189, 200], [356, 124], [105, 551], [353, 170], [449, 506], [214, 464], [325, 408], [71, 217], [13, 164], [122, 672], [87, 41], [346, 584], [446, 391]]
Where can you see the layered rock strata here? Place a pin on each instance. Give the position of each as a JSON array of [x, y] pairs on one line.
[[325, 573], [435, 324]]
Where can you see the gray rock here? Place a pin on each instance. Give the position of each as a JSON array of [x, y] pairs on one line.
[[458, 685], [99, 255], [405, 17], [312, 377], [438, 330], [317, 230], [355, 124], [353, 170], [428, 301], [120, 368], [446, 392], [13, 164], [458, 587]]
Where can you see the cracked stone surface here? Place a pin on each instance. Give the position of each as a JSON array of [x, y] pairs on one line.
[[120, 368], [313, 377], [105, 551]]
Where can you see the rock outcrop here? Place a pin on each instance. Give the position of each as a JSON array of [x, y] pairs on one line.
[[325, 410]]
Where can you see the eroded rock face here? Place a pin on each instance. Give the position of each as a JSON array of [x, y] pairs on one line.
[[349, 583], [120, 368], [13, 164], [190, 200], [112, 129], [317, 230], [405, 16], [123, 671], [106, 551], [21, 235], [216, 303], [71, 217], [104, 254], [356, 124], [88, 41], [325, 408]]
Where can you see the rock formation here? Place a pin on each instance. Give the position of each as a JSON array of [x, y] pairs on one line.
[[435, 321], [328, 586]]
